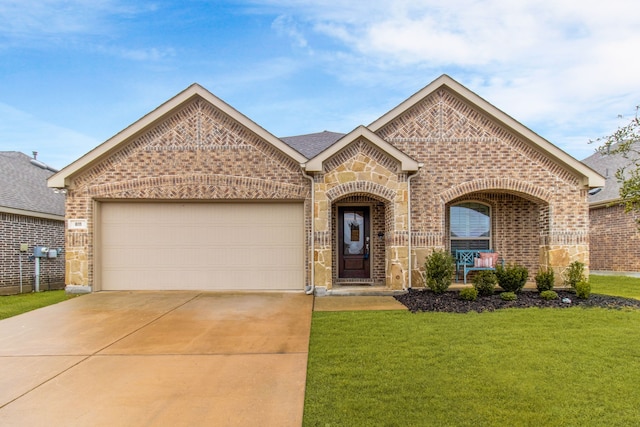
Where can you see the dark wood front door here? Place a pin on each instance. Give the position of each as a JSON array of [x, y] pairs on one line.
[[354, 242]]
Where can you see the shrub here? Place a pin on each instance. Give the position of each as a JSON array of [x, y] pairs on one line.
[[485, 282], [574, 274], [549, 295], [508, 296], [512, 278], [583, 289], [545, 280], [438, 271], [468, 294]]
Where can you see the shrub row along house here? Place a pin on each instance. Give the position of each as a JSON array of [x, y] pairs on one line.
[[195, 195], [614, 234], [30, 215]]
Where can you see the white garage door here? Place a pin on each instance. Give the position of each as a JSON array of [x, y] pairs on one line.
[[201, 246]]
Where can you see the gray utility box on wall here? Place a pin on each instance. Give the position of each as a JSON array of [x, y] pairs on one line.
[[44, 252], [40, 251]]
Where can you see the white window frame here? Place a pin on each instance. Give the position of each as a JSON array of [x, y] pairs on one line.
[[488, 238]]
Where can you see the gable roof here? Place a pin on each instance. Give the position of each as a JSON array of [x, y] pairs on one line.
[[24, 187], [606, 165], [62, 178], [312, 143], [406, 162], [590, 177]]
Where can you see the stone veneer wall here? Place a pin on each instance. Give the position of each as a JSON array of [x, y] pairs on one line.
[[197, 154], [361, 169], [17, 229], [465, 153], [614, 239]]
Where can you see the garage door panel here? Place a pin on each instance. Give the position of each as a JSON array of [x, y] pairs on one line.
[[202, 246]]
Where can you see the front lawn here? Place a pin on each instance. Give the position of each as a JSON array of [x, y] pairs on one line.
[[628, 287], [12, 305], [552, 367]]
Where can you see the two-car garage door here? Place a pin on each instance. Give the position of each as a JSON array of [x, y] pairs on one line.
[[201, 246]]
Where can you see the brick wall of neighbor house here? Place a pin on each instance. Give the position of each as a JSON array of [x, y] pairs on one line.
[[614, 239], [467, 154], [17, 229], [199, 153]]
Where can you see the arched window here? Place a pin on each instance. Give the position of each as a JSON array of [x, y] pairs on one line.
[[470, 226]]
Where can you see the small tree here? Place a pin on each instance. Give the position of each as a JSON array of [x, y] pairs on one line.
[[626, 143], [438, 271], [545, 279], [574, 274]]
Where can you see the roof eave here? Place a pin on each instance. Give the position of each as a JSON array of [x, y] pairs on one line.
[[406, 163], [33, 214], [62, 178], [605, 203]]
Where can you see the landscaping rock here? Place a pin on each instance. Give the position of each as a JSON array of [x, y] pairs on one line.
[[427, 300]]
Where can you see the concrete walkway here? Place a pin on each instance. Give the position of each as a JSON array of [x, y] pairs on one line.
[[357, 303], [156, 359]]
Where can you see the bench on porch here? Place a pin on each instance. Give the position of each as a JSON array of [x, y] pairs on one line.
[[471, 260]]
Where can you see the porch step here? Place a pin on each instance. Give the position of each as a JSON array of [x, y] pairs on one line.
[[354, 290]]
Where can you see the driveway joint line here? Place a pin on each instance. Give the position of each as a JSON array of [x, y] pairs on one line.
[[46, 381], [146, 324]]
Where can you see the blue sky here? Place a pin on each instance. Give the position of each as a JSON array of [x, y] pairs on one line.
[[75, 72]]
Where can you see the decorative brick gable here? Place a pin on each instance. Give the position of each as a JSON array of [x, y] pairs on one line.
[[468, 155]]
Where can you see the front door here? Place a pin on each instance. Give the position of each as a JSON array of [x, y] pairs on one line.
[[354, 242]]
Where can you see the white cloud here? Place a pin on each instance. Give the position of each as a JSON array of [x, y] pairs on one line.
[[43, 23], [287, 26], [57, 146], [40, 18], [145, 54], [562, 67]]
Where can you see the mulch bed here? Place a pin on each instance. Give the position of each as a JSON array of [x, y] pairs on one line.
[[427, 300]]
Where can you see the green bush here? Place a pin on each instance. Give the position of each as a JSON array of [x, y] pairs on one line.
[[508, 296], [438, 271], [583, 289], [468, 294], [549, 295], [512, 278], [545, 280], [574, 274], [485, 282]]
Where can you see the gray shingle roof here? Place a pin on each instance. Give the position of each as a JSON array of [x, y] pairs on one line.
[[23, 185], [311, 144], [606, 165]]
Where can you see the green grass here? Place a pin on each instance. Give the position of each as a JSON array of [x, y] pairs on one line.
[[628, 287], [12, 305], [551, 367]]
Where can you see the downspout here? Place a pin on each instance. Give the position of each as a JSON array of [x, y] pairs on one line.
[[410, 258], [309, 289]]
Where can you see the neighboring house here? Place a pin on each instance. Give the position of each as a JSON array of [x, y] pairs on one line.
[[31, 214], [614, 235], [195, 195]]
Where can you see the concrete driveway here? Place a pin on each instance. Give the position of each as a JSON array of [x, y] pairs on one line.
[[157, 358]]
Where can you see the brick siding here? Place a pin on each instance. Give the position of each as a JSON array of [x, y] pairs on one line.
[[614, 239], [467, 156], [539, 207], [17, 229], [199, 153]]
